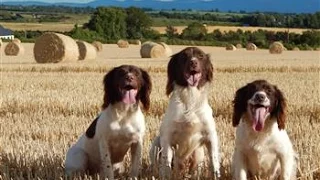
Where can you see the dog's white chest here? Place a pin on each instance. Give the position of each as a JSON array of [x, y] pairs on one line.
[[187, 135], [124, 133], [262, 160]]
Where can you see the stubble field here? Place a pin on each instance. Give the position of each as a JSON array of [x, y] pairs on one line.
[[44, 108], [68, 26]]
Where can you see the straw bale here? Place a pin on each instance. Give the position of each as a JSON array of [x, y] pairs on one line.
[[123, 43], [296, 49], [168, 50], [97, 45], [16, 40], [251, 47], [54, 47], [276, 48], [231, 47], [14, 49], [86, 51], [136, 42], [152, 50], [239, 46]]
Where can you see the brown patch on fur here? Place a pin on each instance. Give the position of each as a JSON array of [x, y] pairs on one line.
[[115, 78], [278, 102], [181, 63]]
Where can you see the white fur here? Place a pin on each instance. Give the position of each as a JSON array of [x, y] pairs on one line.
[[267, 154], [187, 127], [118, 128]]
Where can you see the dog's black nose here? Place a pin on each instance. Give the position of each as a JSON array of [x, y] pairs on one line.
[[260, 97], [129, 77], [193, 63]]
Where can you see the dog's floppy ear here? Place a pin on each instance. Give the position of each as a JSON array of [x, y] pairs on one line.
[[208, 68], [145, 90], [239, 105], [109, 90], [280, 108], [171, 72]]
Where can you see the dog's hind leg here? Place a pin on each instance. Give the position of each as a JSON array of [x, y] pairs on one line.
[[76, 160]]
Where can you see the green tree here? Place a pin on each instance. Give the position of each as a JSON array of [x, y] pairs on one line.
[[138, 22], [171, 32], [109, 22], [195, 31]]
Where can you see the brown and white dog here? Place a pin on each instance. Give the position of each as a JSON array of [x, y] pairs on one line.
[[119, 127], [188, 125], [262, 148]]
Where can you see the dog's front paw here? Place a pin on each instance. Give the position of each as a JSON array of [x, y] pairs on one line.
[[165, 172], [217, 174]]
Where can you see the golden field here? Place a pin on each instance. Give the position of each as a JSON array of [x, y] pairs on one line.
[[210, 29], [67, 26], [44, 108]]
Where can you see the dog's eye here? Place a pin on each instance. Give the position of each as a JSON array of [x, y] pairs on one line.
[[122, 73], [201, 56]]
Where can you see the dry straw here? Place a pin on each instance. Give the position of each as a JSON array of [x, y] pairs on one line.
[[296, 49], [123, 43], [136, 42], [168, 50], [239, 46], [16, 40], [86, 51], [231, 47], [251, 47], [97, 45], [54, 47], [152, 50], [276, 48], [14, 49]]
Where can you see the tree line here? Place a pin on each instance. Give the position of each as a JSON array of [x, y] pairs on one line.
[[109, 24], [248, 19]]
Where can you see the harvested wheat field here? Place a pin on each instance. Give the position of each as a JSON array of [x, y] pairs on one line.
[[44, 108]]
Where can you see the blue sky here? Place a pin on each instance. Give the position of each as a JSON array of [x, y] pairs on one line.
[[51, 1], [296, 6]]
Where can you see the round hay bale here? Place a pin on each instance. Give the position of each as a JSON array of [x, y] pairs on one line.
[[231, 47], [251, 47], [239, 46], [152, 50], [168, 50], [54, 47], [136, 42], [276, 48], [295, 49], [97, 45], [16, 40], [86, 51], [123, 43], [14, 49]]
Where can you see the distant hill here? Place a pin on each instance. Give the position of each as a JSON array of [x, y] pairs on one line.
[[282, 6]]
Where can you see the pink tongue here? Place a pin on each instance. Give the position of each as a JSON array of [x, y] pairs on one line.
[[259, 118], [129, 96], [193, 80]]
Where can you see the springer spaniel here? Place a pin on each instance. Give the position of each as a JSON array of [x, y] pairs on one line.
[[262, 147], [119, 127], [188, 125]]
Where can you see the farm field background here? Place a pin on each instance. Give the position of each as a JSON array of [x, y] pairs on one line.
[[44, 108], [67, 26]]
